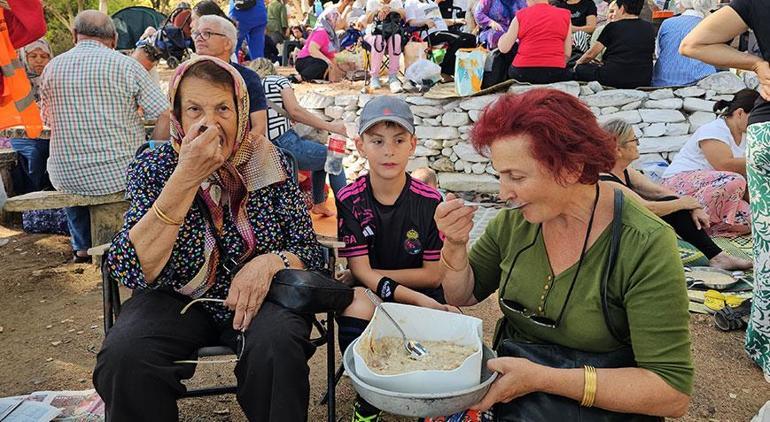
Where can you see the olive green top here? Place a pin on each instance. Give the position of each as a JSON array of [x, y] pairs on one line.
[[277, 19], [647, 293]]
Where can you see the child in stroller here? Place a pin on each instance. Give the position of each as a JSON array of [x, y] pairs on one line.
[[172, 41]]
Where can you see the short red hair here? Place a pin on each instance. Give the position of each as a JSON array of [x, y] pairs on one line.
[[565, 136]]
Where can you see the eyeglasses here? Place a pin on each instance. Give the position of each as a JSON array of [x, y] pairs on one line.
[[240, 339], [518, 308], [635, 141], [205, 35]]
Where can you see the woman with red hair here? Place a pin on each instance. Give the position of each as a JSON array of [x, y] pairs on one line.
[[591, 286]]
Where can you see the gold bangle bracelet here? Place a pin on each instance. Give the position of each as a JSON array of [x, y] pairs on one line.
[[163, 217], [589, 389], [446, 264]]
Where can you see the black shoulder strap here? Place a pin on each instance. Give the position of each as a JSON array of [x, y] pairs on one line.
[[229, 264], [617, 226]]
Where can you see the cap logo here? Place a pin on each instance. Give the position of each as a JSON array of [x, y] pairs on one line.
[[386, 112]]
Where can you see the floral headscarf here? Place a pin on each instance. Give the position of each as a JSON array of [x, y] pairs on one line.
[[327, 21], [253, 164], [33, 77]]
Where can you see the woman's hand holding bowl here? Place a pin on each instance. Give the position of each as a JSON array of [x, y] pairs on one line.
[[518, 377], [201, 152]]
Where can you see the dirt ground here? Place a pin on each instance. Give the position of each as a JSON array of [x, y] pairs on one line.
[[51, 329]]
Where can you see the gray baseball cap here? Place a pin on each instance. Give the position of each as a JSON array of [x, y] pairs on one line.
[[386, 109]]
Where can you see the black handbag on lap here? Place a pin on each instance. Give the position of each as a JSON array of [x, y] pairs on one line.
[[308, 292], [300, 291], [536, 407]]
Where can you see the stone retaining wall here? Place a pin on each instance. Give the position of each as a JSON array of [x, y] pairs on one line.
[[663, 119]]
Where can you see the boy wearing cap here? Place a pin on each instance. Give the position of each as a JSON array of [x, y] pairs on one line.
[[385, 219]]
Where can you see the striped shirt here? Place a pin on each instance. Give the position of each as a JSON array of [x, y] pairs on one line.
[[671, 68], [90, 97], [277, 125]]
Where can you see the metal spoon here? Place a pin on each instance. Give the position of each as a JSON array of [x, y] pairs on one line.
[[414, 348], [507, 205]]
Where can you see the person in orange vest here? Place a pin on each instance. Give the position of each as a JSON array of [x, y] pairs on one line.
[[21, 22]]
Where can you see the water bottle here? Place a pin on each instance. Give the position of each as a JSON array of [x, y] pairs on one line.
[[334, 153], [318, 7]]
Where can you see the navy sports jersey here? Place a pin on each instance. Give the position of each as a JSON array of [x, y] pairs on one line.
[[395, 237]]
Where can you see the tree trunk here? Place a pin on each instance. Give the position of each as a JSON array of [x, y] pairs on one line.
[[103, 6]]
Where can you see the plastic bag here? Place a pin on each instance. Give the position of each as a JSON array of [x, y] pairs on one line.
[[424, 72], [414, 51], [469, 70]]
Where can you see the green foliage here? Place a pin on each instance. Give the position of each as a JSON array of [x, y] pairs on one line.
[[59, 15]]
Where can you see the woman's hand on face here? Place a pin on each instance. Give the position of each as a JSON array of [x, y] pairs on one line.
[[517, 377], [454, 219], [700, 218], [201, 153], [763, 73], [249, 288]]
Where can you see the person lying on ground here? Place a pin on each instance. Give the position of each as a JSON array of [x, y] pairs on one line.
[[684, 213], [214, 215], [711, 166], [547, 261]]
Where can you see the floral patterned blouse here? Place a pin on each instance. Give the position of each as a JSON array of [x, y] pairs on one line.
[[277, 212]]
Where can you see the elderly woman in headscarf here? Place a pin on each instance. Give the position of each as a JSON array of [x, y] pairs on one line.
[[31, 174], [316, 59], [214, 215]]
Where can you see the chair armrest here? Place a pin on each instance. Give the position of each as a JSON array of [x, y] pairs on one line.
[[99, 250]]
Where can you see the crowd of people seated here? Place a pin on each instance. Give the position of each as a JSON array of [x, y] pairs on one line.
[[221, 191]]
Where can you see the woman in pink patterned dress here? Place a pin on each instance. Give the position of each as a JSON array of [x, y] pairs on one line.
[[711, 167]]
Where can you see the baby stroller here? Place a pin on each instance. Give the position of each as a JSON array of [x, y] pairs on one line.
[[172, 42]]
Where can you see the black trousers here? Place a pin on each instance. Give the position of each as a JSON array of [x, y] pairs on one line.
[[288, 47], [683, 225], [596, 72], [138, 381], [539, 75], [455, 41], [311, 68]]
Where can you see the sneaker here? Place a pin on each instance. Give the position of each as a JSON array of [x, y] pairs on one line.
[[395, 85], [375, 83], [365, 412]]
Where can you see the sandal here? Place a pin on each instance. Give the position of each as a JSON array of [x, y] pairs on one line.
[[729, 319]]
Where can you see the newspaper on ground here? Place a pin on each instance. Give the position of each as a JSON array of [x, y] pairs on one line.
[[45, 406]]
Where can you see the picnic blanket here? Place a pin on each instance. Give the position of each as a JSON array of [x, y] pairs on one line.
[[739, 246]]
